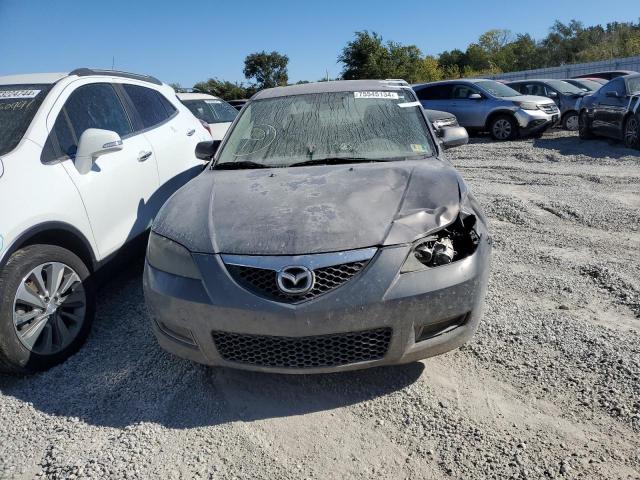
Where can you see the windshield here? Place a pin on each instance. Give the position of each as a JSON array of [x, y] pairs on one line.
[[18, 105], [589, 84], [564, 87], [497, 89], [212, 110], [337, 125], [633, 85]]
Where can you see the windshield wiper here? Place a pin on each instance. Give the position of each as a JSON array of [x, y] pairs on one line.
[[244, 165], [335, 161]]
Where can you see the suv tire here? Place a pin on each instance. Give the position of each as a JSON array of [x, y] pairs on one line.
[[503, 127], [584, 131], [47, 306], [571, 122], [631, 131]]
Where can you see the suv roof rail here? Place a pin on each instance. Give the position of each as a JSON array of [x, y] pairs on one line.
[[397, 81], [85, 72]]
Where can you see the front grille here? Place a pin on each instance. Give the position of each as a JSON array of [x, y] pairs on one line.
[[262, 282], [303, 352], [549, 108]]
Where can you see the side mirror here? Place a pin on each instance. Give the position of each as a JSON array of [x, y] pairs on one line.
[[475, 96], [454, 137], [552, 94], [93, 143], [206, 150], [612, 94]]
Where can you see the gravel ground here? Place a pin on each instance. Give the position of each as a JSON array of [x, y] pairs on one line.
[[548, 388]]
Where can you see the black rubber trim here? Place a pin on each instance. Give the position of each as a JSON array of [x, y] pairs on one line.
[[48, 226], [86, 72]]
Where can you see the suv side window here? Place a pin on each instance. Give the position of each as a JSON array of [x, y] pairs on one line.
[[463, 91], [613, 86], [150, 104], [436, 92], [96, 105], [532, 89]]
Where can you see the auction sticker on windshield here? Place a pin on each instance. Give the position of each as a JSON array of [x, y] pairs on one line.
[[13, 94], [385, 95]]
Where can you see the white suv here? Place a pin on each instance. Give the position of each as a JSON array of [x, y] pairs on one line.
[[86, 161], [212, 111]]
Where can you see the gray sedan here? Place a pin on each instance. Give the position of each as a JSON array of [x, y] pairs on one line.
[[328, 233]]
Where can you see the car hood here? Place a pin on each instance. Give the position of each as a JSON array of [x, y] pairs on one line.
[[314, 209], [531, 98]]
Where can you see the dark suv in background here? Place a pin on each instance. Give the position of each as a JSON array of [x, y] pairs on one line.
[[613, 111]]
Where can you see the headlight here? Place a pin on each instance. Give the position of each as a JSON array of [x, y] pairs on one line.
[[453, 243], [170, 257], [527, 105], [444, 122]]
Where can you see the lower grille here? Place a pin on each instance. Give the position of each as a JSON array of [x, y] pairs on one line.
[[303, 352], [263, 282]]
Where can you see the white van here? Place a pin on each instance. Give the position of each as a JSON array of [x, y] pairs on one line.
[[87, 159]]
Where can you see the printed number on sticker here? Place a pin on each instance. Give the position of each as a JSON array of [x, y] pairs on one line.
[[387, 95], [13, 94]]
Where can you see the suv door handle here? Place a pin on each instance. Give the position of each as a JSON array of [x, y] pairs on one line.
[[191, 132], [142, 156]]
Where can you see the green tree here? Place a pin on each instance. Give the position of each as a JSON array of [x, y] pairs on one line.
[[224, 89], [368, 56], [268, 70]]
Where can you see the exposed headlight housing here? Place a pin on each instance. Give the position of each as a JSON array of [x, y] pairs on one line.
[[455, 242], [170, 257], [527, 105], [445, 122]]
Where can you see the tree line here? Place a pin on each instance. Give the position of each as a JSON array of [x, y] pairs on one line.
[[368, 55]]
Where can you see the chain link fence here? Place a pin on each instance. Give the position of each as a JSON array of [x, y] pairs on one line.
[[568, 71]]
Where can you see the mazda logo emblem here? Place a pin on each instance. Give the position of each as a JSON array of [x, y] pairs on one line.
[[295, 280]]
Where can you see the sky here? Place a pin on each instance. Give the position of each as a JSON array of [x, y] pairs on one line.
[[186, 42]]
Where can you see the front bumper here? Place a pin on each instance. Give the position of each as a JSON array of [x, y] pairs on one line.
[[535, 121], [188, 313]]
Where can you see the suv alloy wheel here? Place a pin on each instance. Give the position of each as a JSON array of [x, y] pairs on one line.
[[46, 308]]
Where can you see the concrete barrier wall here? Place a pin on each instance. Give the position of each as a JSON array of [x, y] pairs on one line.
[[568, 71]]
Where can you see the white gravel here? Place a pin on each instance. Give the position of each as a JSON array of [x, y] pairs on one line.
[[548, 388]]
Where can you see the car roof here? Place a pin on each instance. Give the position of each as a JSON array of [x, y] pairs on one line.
[[331, 86], [195, 96], [542, 80], [457, 80], [50, 78], [32, 78]]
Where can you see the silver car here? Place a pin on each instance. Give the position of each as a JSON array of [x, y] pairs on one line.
[[328, 233], [487, 105], [564, 94]]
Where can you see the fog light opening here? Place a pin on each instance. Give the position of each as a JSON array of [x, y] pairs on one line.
[[176, 332], [428, 331]]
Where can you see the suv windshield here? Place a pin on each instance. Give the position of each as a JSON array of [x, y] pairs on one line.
[[497, 89], [332, 126], [18, 105], [565, 87], [212, 110]]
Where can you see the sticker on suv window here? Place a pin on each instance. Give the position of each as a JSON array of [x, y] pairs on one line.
[[385, 95], [212, 101], [13, 94]]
